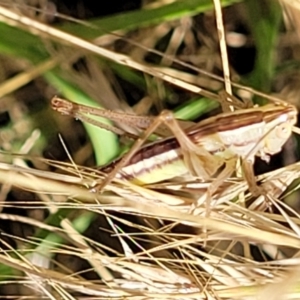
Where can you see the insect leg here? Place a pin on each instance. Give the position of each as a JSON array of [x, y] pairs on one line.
[[80, 111], [74, 110], [216, 183], [250, 178]]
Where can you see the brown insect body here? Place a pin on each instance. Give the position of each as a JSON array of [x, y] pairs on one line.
[[244, 133]]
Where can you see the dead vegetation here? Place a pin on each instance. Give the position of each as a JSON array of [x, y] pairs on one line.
[[61, 241]]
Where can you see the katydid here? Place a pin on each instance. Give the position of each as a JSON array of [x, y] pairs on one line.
[[201, 150]]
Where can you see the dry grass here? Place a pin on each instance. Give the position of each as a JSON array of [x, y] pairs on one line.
[[147, 244]]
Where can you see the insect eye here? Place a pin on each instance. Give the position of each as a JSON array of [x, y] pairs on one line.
[[283, 130]]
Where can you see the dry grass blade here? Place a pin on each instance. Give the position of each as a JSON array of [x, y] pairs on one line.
[[164, 282], [146, 243]]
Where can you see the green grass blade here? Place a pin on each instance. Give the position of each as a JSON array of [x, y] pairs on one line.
[[141, 18]]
